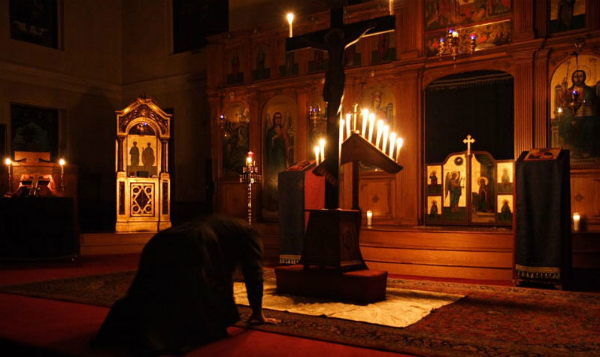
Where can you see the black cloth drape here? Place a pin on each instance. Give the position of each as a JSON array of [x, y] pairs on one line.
[[543, 222], [477, 103]]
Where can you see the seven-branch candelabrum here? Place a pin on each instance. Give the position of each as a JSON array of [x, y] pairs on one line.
[[372, 129], [250, 176]]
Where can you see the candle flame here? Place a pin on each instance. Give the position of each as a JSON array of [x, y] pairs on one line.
[[62, 162], [290, 17]]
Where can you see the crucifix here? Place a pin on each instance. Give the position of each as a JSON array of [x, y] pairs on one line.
[[335, 41], [469, 140]]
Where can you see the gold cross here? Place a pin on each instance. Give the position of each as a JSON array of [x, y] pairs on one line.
[[469, 140]]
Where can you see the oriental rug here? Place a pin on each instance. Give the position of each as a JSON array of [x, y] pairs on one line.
[[488, 321]]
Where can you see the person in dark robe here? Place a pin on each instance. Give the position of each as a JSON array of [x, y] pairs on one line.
[[182, 295]]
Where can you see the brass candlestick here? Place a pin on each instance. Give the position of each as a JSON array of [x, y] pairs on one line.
[[250, 176]]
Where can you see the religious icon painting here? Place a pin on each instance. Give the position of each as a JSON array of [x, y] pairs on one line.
[[288, 65], [483, 177], [34, 129], [261, 66], [235, 139], [505, 177], [235, 75], [434, 213], [486, 36], [444, 13], [454, 197], [504, 209], [574, 118], [567, 15], [353, 57], [319, 62], [383, 48], [434, 181], [35, 22], [279, 123], [380, 101], [142, 151]]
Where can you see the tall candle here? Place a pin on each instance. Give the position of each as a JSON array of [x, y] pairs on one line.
[[355, 119], [369, 218], [386, 130], [371, 126], [322, 145], [379, 132], [365, 118], [249, 158], [290, 18], [62, 163], [392, 144], [391, 7], [342, 128], [317, 154], [348, 124], [576, 221], [399, 144]]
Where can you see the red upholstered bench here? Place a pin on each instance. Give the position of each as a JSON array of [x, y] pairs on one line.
[[361, 286]]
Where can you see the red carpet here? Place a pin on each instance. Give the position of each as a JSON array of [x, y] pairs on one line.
[[49, 327]]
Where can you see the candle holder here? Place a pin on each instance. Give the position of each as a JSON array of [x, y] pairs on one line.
[[8, 163], [62, 163], [451, 45], [250, 176]]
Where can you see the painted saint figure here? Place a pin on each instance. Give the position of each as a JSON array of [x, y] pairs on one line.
[[279, 153], [579, 124], [484, 195], [148, 158], [433, 211], [433, 179], [134, 154], [505, 211], [454, 188]]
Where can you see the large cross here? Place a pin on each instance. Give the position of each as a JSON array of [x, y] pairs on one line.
[[335, 41], [469, 140]]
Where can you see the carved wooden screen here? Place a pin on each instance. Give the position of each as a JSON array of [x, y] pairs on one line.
[[469, 189]]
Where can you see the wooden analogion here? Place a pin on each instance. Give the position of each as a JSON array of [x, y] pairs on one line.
[[143, 182]]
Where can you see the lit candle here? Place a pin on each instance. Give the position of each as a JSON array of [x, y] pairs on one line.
[[369, 218], [322, 144], [355, 119], [454, 34], [576, 221], [365, 118], [317, 154], [371, 126], [348, 124], [391, 7], [249, 158], [342, 125], [7, 162], [386, 130], [379, 132], [399, 144], [290, 18], [62, 163], [392, 144]]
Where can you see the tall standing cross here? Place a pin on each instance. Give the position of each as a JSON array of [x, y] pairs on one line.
[[469, 141], [335, 41]]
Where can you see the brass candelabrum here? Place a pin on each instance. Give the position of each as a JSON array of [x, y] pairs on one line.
[[250, 176], [450, 45]]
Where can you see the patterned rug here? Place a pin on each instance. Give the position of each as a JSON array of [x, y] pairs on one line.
[[488, 321]]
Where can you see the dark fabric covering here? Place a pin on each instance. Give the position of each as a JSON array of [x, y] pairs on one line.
[[182, 295], [38, 227], [479, 103], [543, 223], [291, 215]]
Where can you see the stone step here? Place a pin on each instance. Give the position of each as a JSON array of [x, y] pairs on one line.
[[113, 243]]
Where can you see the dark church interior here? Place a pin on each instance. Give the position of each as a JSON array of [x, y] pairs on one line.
[[422, 176]]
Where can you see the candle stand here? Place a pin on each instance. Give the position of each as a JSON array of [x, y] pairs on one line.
[[250, 176]]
